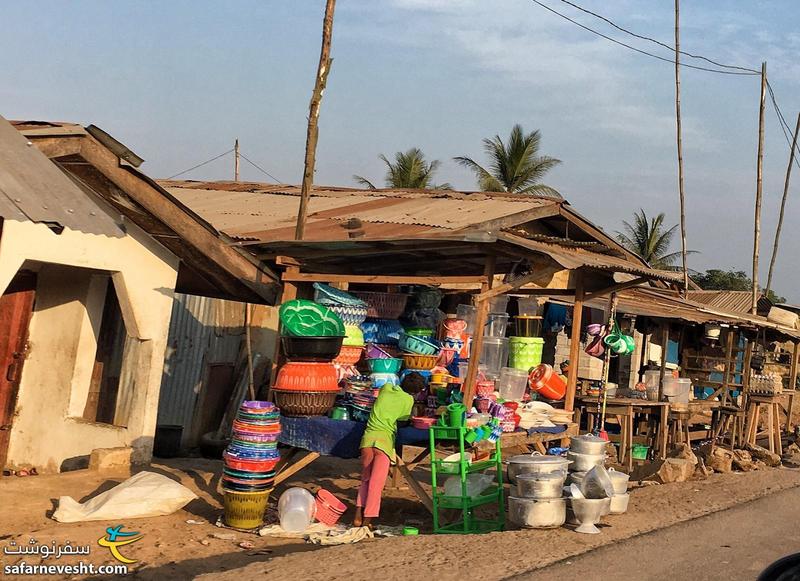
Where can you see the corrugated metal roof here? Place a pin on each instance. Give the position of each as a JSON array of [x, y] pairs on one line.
[[264, 213], [736, 301], [33, 188], [572, 258], [665, 304]]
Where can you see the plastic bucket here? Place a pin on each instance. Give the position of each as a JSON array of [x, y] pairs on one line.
[[245, 510], [167, 443], [528, 306], [527, 326], [512, 383], [639, 451], [494, 354], [329, 508], [547, 383], [496, 325], [525, 353]]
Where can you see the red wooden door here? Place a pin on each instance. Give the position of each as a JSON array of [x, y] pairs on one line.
[[16, 306]]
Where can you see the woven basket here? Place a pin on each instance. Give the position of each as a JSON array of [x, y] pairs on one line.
[[383, 305], [304, 403]]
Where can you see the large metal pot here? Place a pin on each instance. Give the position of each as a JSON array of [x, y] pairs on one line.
[[540, 486], [535, 464], [537, 513], [587, 444], [585, 462]]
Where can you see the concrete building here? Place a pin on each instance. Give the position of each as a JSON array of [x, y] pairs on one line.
[[91, 254]]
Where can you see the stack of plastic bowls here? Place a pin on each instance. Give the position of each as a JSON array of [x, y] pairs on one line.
[[250, 460]]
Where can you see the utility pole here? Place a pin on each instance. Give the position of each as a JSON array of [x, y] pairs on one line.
[[759, 174], [313, 118], [680, 146], [236, 160], [783, 206]]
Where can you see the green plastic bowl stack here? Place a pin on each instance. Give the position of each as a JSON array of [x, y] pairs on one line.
[[302, 318], [525, 352]]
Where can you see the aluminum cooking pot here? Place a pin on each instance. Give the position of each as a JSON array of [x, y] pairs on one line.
[[540, 485], [533, 513], [587, 444], [584, 462], [535, 464]]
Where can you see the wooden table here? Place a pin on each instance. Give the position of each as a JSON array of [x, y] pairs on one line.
[[624, 409], [287, 467]]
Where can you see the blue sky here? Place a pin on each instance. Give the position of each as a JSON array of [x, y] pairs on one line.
[[178, 81]]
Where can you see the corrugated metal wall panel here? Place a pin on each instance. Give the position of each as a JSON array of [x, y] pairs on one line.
[[195, 340]]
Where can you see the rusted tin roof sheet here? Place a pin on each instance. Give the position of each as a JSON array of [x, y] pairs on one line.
[[33, 188], [267, 213], [665, 304], [736, 301]]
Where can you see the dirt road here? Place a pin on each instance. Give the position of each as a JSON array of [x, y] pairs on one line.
[[733, 544]]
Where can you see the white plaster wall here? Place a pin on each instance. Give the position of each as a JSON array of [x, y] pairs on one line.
[[47, 427]]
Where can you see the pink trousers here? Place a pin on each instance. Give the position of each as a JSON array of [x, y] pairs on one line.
[[374, 470]]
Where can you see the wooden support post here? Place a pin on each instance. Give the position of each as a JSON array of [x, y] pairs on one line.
[[477, 340], [783, 207], [759, 175], [312, 134], [236, 160], [288, 293], [726, 376], [575, 344], [681, 193], [792, 384], [664, 346]]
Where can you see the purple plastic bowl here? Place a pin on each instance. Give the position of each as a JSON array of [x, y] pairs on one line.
[[375, 352], [254, 406]]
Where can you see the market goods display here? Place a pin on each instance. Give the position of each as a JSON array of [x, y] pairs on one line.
[[250, 460]]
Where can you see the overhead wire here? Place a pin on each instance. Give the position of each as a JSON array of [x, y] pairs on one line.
[[215, 158], [658, 42], [746, 72], [259, 168], [786, 129]]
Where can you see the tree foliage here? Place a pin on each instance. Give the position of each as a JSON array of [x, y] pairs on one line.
[[409, 170], [735, 280], [650, 239], [514, 166]]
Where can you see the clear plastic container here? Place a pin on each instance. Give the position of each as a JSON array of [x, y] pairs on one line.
[[498, 304], [528, 306], [494, 354], [651, 377], [296, 508], [512, 383], [468, 314], [677, 389], [496, 325]]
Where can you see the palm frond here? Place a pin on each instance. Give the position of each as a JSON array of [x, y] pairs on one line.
[[364, 182]]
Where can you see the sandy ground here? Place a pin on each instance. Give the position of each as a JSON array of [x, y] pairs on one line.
[[760, 532], [173, 548]]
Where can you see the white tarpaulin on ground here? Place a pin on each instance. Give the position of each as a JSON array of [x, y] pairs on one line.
[[143, 495]]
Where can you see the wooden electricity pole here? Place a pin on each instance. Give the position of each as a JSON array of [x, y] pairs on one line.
[[759, 174], [783, 206], [313, 117], [680, 145], [236, 161]]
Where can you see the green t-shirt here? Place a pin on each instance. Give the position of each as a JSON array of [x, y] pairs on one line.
[[391, 406]]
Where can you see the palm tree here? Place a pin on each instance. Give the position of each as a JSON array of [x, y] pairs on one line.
[[409, 170], [648, 238], [514, 167]]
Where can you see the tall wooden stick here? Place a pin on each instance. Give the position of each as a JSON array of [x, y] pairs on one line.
[[574, 343], [313, 117], [759, 174], [236, 161], [783, 206], [680, 145]]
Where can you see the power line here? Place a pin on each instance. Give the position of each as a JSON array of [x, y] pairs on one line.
[[259, 168], [640, 51], [785, 127], [658, 42], [200, 164]]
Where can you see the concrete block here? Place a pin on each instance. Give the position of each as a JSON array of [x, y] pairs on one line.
[[110, 458]]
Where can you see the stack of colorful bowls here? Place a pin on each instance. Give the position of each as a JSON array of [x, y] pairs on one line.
[[359, 397], [250, 460], [251, 456]]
